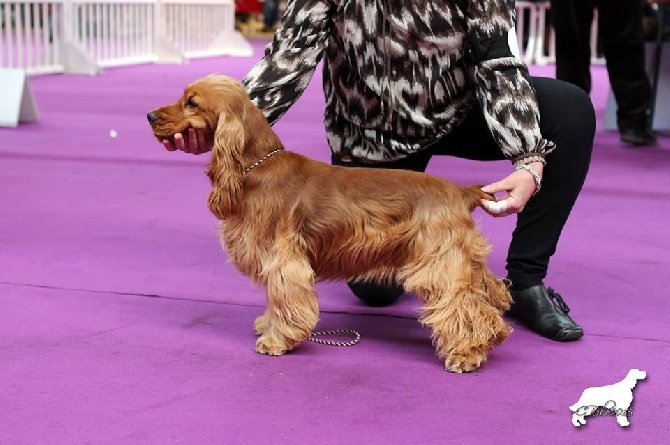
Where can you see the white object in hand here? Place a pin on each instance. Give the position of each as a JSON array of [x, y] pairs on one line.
[[112, 133], [496, 207]]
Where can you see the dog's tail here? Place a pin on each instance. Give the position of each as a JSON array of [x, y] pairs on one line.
[[473, 196]]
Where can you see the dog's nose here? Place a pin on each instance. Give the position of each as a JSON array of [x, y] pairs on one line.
[[152, 117]]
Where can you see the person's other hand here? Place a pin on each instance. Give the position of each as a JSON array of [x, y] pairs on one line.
[[519, 186], [194, 142]]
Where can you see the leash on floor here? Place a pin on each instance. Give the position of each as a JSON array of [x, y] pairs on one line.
[[337, 332]]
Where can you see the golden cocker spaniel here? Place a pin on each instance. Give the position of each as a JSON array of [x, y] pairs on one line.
[[289, 221]]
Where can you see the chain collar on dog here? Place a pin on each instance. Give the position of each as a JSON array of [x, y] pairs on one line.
[[357, 337], [260, 161]]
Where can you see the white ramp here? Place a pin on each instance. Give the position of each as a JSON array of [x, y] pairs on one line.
[[17, 103]]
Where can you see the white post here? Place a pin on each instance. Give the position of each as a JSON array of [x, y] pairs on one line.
[[75, 58], [165, 50]]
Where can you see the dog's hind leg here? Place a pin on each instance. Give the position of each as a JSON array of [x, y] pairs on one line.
[[495, 290], [464, 323], [292, 310]]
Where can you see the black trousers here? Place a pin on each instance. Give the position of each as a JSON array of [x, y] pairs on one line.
[[568, 119], [622, 38]]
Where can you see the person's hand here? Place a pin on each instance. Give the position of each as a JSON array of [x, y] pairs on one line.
[[519, 186], [194, 142]]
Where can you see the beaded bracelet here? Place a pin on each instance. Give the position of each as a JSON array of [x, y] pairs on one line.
[[536, 177]]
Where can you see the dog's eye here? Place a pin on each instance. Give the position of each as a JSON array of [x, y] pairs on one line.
[[191, 103]]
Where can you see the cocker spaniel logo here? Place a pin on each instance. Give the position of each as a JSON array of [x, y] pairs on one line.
[[611, 400]]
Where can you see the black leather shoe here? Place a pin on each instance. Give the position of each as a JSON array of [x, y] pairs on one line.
[[638, 136], [375, 294], [544, 311]]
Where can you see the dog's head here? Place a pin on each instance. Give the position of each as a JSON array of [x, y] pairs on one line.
[[220, 108], [200, 107]]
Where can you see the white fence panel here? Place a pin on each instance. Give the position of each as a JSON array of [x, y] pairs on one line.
[[114, 32], [84, 36], [202, 28], [31, 35]]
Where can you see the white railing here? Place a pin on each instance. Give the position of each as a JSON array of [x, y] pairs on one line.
[[84, 36], [197, 28], [31, 35], [113, 32]]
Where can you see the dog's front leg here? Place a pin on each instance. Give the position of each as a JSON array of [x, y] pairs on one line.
[[292, 310], [262, 323]]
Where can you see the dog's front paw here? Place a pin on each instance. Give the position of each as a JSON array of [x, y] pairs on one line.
[[269, 346], [261, 324], [459, 362]]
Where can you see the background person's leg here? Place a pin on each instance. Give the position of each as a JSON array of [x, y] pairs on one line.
[[621, 31], [270, 14], [572, 20]]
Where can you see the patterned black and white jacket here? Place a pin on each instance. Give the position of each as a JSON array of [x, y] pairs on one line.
[[399, 74]]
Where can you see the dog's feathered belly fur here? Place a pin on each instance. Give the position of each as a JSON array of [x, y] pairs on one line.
[[289, 221]]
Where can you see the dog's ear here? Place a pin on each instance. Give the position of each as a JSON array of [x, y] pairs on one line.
[[226, 171]]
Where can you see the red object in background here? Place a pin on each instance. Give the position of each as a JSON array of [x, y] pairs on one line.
[[248, 6]]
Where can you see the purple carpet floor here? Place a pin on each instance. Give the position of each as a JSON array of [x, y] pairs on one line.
[[121, 321]]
